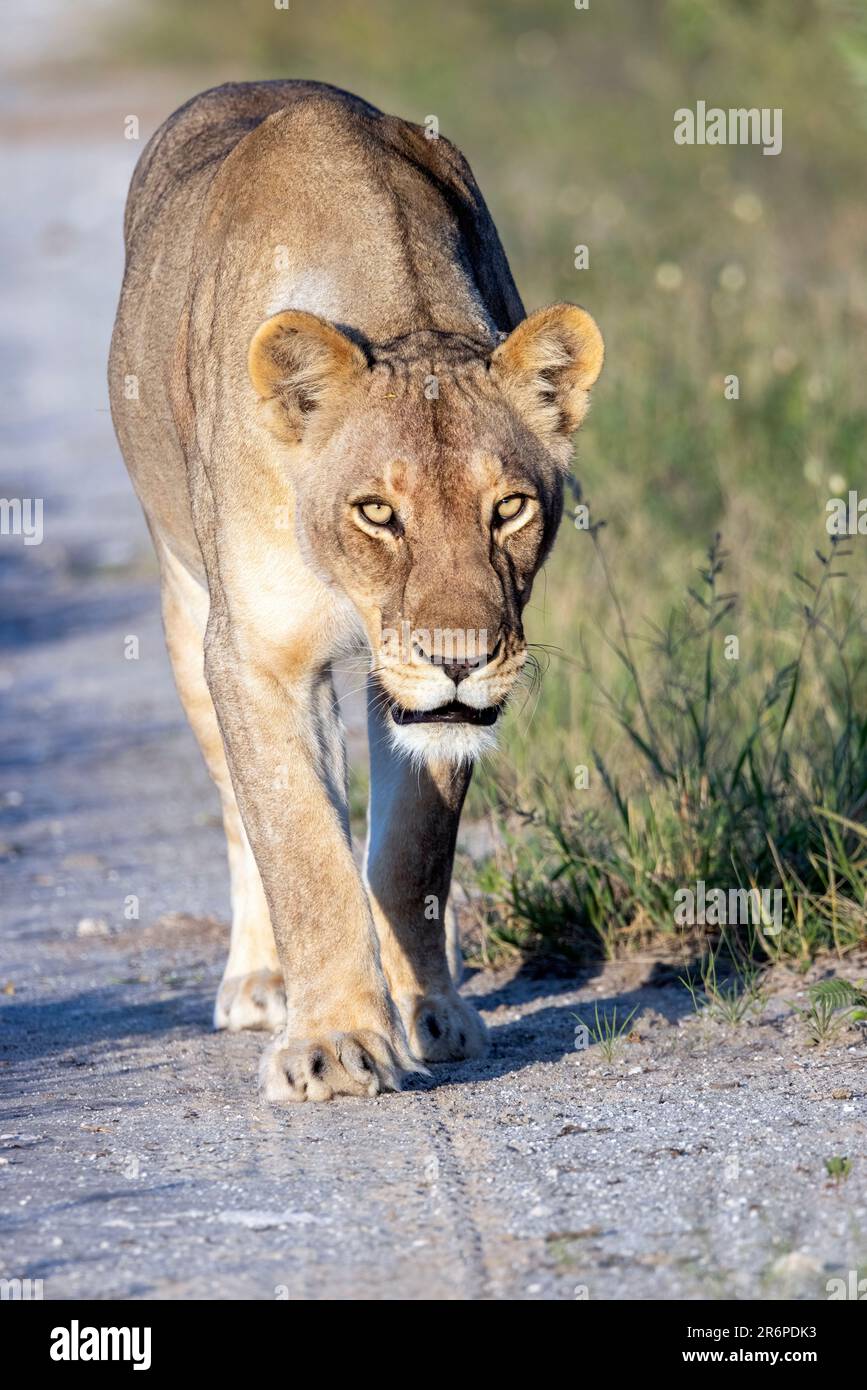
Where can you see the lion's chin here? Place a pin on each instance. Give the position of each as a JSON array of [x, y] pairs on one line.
[[450, 743]]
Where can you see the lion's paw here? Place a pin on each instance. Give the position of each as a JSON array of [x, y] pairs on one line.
[[444, 1027], [251, 1001], [332, 1064]]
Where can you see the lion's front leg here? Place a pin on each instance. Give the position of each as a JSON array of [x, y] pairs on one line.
[[413, 826], [343, 1034]]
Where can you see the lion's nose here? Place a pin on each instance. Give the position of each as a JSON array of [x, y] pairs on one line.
[[456, 657], [456, 670]]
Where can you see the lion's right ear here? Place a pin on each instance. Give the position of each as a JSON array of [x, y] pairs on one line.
[[295, 358]]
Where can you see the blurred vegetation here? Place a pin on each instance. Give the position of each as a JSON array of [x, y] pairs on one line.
[[704, 261]]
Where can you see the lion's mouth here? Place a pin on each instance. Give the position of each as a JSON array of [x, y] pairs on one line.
[[453, 713]]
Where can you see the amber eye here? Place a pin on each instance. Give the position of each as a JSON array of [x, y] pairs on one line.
[[510, 507], [377, 513]]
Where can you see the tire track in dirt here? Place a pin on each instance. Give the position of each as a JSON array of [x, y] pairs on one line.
[[459, 1158]]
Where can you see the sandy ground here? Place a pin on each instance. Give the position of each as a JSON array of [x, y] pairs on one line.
[[136, 1160]]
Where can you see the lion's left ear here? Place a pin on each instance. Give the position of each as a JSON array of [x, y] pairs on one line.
[[295, 359], [547, 365]]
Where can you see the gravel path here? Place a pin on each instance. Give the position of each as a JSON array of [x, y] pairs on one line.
[[136, 1160]]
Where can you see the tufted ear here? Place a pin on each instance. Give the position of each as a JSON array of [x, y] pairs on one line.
[[295, 358], [547, 366]]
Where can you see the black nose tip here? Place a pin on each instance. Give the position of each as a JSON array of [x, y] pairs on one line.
[[456, 670]]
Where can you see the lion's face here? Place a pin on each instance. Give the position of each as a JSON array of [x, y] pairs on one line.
[[429, 488]]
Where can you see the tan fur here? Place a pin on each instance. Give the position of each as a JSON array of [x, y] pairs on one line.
[[317, 313]]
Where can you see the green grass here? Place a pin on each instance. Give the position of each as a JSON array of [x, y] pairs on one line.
[[704, 262], [606, 1033], [725, 772], [838, 1168], [734, 995], [833, 1004]]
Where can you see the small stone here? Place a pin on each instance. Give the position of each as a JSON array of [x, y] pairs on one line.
[[93, 926]]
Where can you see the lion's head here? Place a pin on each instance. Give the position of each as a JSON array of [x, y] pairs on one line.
[[428, 478]]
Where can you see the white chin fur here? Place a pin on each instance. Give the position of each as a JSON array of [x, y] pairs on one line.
[[452, 743]]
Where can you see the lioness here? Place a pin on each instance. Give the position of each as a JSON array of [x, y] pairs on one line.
[[342, 428]]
